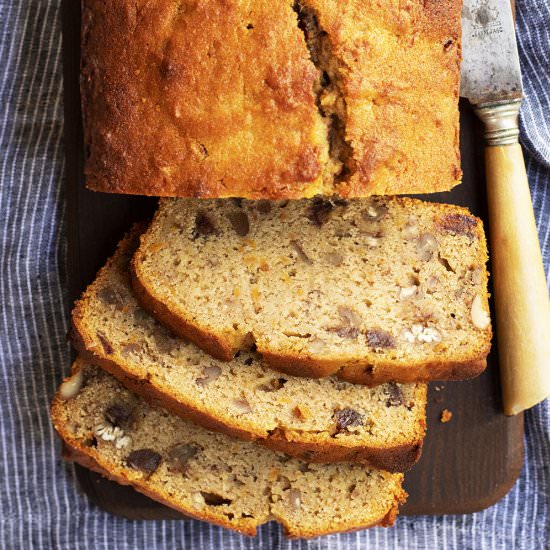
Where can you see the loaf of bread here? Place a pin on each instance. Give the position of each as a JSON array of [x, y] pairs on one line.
[[284, 99], [324, 420], [210, 476], [373, 290]]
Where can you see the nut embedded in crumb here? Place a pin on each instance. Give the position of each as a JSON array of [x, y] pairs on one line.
[[420, 333], [410, 230], [302, 412], [346, 418], [480, 317], [407, 292], [242, 406], [372, 241], [240, 223], [197, 500], [375, 212], [179, 456], [334, 257], [70, 387], [301, 254], [107, 432], [294, 498], [426, 246], [446, 416], [123, 442], [209, 374], [316, 345], [144, 460]]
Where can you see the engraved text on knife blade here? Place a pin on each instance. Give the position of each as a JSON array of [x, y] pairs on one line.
[[490, 67]]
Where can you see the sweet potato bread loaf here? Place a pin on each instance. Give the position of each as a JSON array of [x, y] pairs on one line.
[[210, 476], [323, 420], [374, 290], [271, 99]]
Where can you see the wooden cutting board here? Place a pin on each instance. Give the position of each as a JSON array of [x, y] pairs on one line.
[[468, 463]]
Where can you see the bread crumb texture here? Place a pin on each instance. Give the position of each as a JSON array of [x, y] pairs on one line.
[[374, 290], [210, 476], [320, 420], [271, 99]]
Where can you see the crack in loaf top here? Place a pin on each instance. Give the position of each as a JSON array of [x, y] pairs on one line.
[[216, 98]]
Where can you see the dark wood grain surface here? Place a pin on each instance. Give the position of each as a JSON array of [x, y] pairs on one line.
[[467, 464]]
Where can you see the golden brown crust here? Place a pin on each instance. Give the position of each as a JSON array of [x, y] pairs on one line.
[[364, 372], [399, 65], [393, 459], [177, 102], [397, 458]]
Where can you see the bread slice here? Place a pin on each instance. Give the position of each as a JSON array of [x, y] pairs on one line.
[[271, 99], [324, 420], [210, 476], [371, 289]]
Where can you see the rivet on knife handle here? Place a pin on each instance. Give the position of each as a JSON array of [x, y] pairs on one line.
[[491, 80]]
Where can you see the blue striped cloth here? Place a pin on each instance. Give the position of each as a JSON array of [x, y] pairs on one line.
[[40, 503]]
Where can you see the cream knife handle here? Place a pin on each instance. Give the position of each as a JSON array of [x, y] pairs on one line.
[[519, 282]]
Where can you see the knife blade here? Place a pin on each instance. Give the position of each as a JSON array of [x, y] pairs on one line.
[[490, 68], [491, 80]]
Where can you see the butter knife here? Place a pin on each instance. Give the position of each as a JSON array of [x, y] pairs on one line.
[[491, 80]]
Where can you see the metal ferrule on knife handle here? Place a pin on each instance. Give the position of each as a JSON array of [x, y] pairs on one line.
[[501, 121]]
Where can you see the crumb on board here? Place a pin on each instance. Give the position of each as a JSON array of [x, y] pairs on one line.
[[446, 415]]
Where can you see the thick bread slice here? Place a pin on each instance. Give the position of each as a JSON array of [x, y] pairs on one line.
[[324, 420], [210, 476], [371, 290]]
